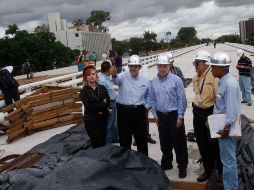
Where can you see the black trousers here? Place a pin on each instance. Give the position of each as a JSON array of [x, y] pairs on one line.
[[96, 130], [12, 94], [172, 137], [132, 121], [208, 147]]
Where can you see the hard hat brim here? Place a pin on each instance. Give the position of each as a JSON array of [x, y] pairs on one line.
[[218, 64]]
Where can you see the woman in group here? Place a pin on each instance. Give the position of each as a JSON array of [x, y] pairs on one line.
[[96, 102]]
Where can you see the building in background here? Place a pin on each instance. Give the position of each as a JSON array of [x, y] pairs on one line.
[[81, 37], [246, 29]]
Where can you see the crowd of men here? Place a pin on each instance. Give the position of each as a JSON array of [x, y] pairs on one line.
[[112, 117], [216, 92]]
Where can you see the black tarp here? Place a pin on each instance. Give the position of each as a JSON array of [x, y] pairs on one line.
[[245, 156], [69, 163]]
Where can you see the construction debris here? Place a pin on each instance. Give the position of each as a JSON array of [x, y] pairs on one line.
[[49, 107]]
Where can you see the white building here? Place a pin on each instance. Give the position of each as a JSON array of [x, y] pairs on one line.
[[79, 37]]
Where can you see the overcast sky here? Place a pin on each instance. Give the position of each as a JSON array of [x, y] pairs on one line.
[[132, 17]]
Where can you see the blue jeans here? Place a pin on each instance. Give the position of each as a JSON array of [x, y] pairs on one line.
[[245, 86], [112, 133], [80, 67], [228, 159]]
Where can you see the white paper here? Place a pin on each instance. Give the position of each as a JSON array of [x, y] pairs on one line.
[[217, 122]]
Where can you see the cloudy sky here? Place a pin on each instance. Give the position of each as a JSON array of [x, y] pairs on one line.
[[132, 17]]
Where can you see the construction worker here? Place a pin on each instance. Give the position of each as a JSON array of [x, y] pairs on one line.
[[205, 89], [228, 102], [168, 101], [9, 85], [175, 70], [244, 66], [132, 102]]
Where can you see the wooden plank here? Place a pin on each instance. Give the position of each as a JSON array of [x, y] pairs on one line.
[[17, 122], [12, 114], [16, 134], [8, 108], [17, 116], [188, 185]]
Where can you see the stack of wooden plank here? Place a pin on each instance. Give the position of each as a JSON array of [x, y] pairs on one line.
[[49, 107]]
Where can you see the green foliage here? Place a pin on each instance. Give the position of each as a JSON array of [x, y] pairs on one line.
[[40, 47], [12, 29], [41, 28], [251, 40], [136, 44], [187, 35], [175, 43], [232, 38], [97, 18], [120, 46], [149, 41]]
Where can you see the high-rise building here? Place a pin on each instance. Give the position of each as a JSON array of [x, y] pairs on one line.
[[246, 29], [79, 37]]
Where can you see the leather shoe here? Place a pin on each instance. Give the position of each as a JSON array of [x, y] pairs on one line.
[[203, 177], [167, 167], [182, 173], [150, 140], [243, 101], [249, 104]]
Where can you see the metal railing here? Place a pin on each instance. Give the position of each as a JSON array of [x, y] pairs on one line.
[[74, 79], [245, 47]]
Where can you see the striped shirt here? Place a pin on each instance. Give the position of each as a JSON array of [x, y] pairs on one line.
[[245, 61]]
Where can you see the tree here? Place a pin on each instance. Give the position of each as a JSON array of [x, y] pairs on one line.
[[136, 44], [97, 18], [187, 34], [11, 29], [232, 38], [149, 41], [78, 22], [42, 28]]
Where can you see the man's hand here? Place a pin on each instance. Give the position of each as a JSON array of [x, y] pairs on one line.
[[179, 123], [109, 111], [225, 132]]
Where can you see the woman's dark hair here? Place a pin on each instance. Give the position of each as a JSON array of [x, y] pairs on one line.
[[105, 66]]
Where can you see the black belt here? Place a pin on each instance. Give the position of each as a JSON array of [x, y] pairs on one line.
[[130, 106], [204, 109], [166, 113], [112, 100]]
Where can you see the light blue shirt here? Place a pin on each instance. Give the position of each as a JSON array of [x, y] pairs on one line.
[[228, 99], [106, 81], [167, 94], [132, 90]]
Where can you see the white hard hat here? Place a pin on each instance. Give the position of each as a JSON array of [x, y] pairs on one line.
[[162, 60], [9, 68], [134, 60], [239, 53], [220, 59], [203, 55], [170, 57]]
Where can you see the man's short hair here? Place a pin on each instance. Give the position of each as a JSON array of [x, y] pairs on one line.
[[105, 66]]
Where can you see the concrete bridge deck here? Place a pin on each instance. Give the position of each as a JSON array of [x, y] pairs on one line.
[[185, 63]]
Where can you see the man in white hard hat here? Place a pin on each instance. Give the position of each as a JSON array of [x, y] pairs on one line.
[[132, 104], [168, 101], [228, 102], [205, 89], [244, 66], [173, 69]]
